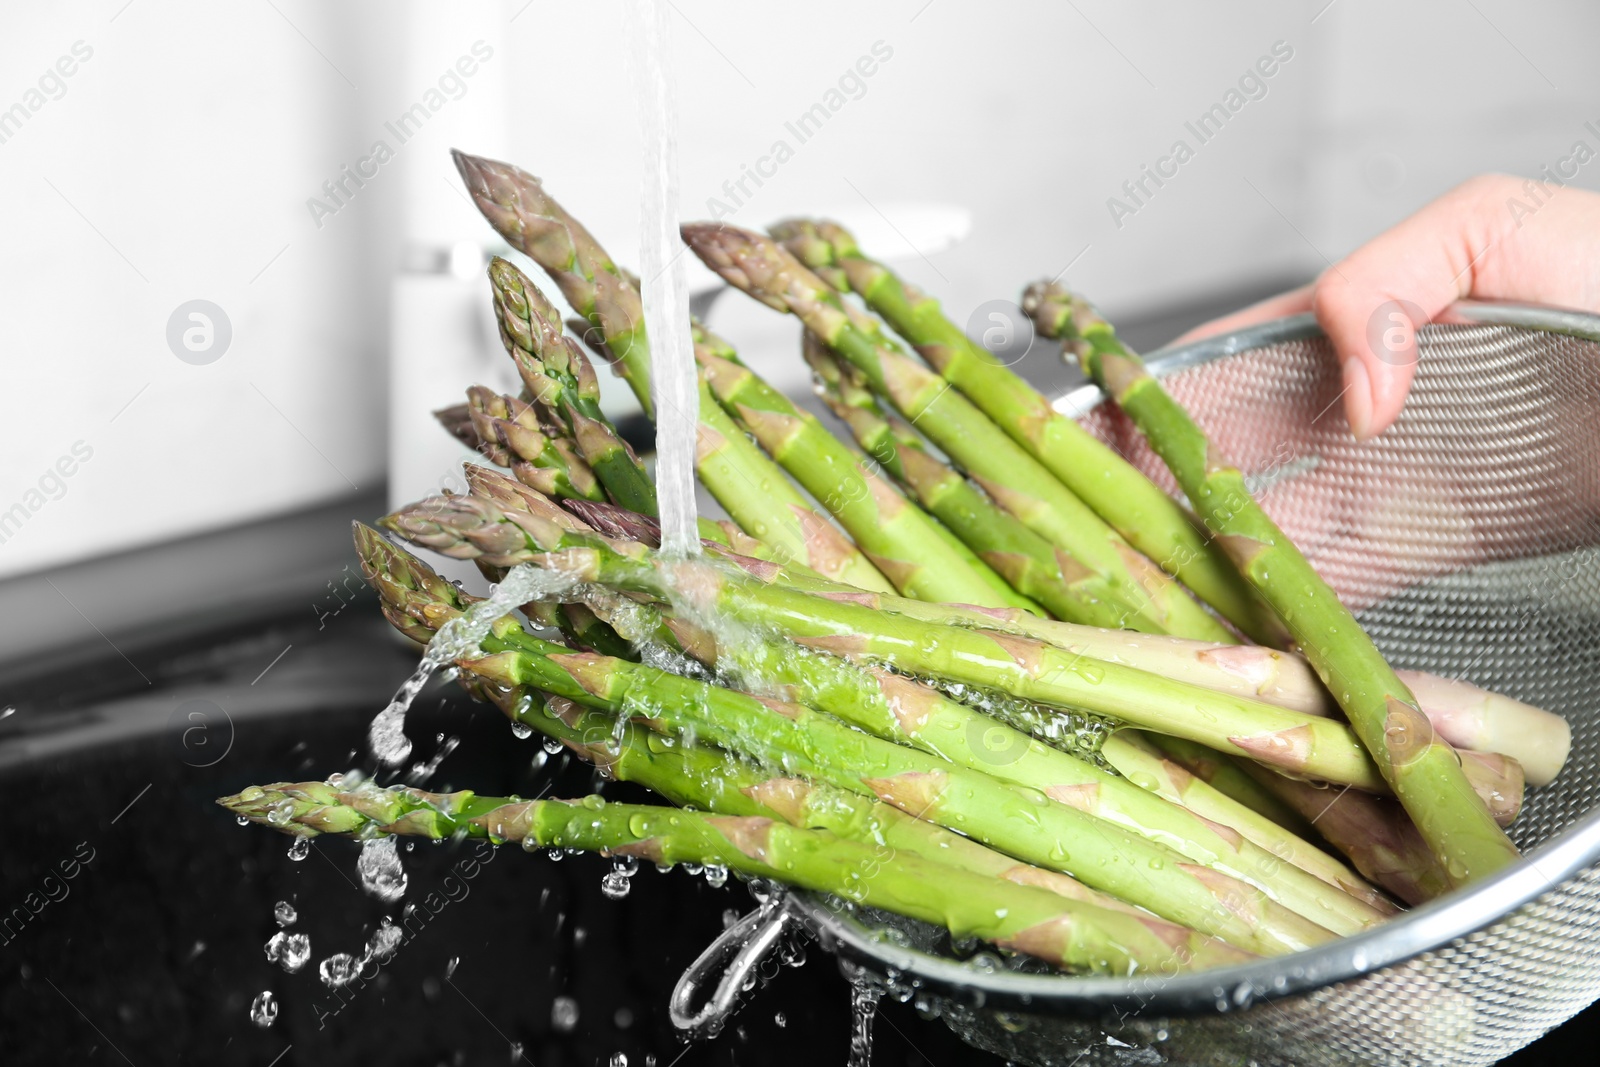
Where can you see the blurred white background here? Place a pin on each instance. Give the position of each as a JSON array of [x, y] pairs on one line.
[[157, 153]]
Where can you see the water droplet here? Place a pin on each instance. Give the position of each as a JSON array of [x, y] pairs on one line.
[[283, 912], [552, 746], [289, 951], [450, 967], [340, 969], [522, 730], [242, 820], [384, 941], [615, 885], [564, 1014], [619, 1059], [780, 1020], [716, 875], [380, 870], [300, 848], [264, 1009]]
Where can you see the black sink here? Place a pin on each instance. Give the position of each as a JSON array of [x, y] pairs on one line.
[[136, 911]]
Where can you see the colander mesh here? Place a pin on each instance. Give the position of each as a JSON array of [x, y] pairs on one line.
[[1466, 538]]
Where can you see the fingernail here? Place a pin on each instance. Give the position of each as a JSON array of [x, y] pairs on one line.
[[1358, 398]]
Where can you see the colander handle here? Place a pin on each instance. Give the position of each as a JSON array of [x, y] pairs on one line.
[[736, 952]]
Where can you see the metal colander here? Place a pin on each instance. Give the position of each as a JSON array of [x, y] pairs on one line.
[[1468, 539]]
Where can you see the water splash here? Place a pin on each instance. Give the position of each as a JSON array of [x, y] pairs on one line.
[[264, 1009], [421, 772], [665, 284], [289, 951], [863, 1009], [456, 638], [564, 1014], [338, 970], [380, 870], [385, 941]]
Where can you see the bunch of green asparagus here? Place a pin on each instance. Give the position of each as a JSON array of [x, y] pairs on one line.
[[962, 662]]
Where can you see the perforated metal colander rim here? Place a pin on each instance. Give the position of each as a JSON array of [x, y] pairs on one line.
[[1430, 927]]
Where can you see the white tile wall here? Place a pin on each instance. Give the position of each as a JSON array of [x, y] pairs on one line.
[[980, 152]]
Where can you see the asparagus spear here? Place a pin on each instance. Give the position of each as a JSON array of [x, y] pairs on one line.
[[898, 709], [519, 209], [894, 533], [693, 774], [821, 807], [1032, 566], [1130, 752], [1024, 668], [1018, 821], [559, 376], [710, 779], [1119, 493], [1421, 767], [957, 545], [819, 747], [1226, 775], [745, 482], [1375, 832], [763, 269], [1067, 933], [512, 436], [472, 528], [1481, 720]]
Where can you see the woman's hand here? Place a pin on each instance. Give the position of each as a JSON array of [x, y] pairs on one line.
[[1492, 238]]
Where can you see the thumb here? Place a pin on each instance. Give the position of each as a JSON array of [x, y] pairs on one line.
[[1371, 303]]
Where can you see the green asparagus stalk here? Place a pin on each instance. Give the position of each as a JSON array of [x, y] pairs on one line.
[[1421, 767], [894, 533], [1029, 563], [471, 528], [1027, 669], [531, 221], [763, 269], [819, 747], [901, 710], [1070, 934], [707, 778], [1119, 493], [1227, 776], [748, 485], [1375, 832], [809, 344], [1130, 752], [696, 774], [1492, 723], [897, 709], [508, 433], [820, 807], [559, 376], [1497, 780], [1022, 822]]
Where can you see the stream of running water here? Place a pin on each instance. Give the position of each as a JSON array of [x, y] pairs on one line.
[[665, 283]]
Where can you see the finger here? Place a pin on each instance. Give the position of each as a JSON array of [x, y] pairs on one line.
[[1371, 303], [1294, 302]]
